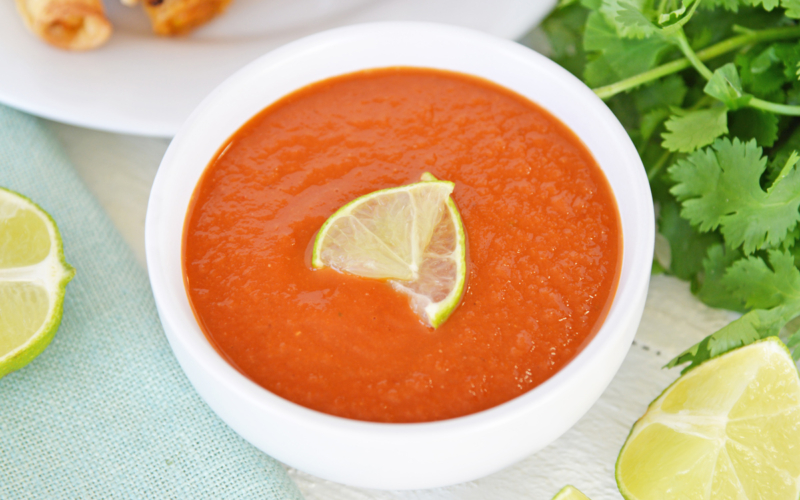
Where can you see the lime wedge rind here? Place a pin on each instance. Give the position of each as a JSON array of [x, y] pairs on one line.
[[687, 414], [438, 312], [25, 353], [51, 274]]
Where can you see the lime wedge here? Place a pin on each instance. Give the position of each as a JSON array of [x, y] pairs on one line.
[[727, 429], [570, 493], [33, 277], [410, 235]]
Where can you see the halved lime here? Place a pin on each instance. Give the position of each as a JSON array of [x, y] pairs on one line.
[[728, 429], [33, 277], [410, 235], [569, 492]]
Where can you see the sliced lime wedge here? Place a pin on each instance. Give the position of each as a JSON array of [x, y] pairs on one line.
[[33, 277], [727, 429], [410, 235], [570, 492]]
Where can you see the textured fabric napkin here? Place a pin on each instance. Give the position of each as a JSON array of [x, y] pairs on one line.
[[105, 411]]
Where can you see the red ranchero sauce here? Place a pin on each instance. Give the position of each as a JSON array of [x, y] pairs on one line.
[[543, 233]]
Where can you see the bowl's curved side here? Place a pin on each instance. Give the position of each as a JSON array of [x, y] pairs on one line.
[[410, 456], [398, 456]]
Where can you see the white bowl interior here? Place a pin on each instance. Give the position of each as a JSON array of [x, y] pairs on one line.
[[399, 455]]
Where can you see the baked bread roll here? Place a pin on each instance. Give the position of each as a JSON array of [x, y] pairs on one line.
[[177, 17], [68, 24]]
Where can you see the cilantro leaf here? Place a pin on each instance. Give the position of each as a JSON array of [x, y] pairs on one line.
[[709, 286], [719, 186], [749, 328], [664, 93], [731, 5], [787, 168], [726, 86], [673, 22], [730, 211], [789, 56], [689, 130], [627, 18], [599, 34], [651, 121], [792, 8], [763, 80], [687, 245], [789, 243], [749, 123], [796, 253], [762, 286], [624, 109], [767, 4], [755, 325], [775, 290], [764, 60], [792, 343], [599, 72], [618, 58], [564, 30], [782, 154], [711, 24], [674, 16], [653, 102]]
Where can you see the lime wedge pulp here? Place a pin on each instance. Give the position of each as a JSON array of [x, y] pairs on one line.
[[410, 235], [33, 277], [727, 429], [569, 492]]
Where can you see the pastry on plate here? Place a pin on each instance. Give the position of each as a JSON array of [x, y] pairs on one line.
[[68, 24], [178, 17]]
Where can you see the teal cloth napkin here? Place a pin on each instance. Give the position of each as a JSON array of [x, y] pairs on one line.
[[105, 411]]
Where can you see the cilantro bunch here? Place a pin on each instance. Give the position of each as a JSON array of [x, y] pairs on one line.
[[708, 91]]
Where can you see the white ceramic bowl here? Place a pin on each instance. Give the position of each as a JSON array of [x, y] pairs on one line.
[[398, 456]]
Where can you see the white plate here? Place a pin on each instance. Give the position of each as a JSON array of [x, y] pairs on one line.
[[142, 84]]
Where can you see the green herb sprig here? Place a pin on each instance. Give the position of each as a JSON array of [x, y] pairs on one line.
[[709, 92]]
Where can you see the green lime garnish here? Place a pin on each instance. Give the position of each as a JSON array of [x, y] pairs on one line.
[[727, 429], [569, 492], [410, 235], [33, 278]]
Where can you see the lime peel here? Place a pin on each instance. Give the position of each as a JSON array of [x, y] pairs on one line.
[[33, 279], [411, 235]]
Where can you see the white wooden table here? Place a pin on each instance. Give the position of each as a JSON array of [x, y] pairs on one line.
[[119, 170]]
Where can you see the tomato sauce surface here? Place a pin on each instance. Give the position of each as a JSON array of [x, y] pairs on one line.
[[543, 236]]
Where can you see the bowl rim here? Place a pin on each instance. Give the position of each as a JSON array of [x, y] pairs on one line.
[[187, 337]]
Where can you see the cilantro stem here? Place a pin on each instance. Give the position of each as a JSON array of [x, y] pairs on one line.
[[691, 55], [711, 52], [772, 107], [659, 165], [754, 102], [685, 19]]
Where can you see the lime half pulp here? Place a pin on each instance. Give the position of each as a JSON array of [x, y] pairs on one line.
[[727, 429], [410, 235], [33, 277]]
